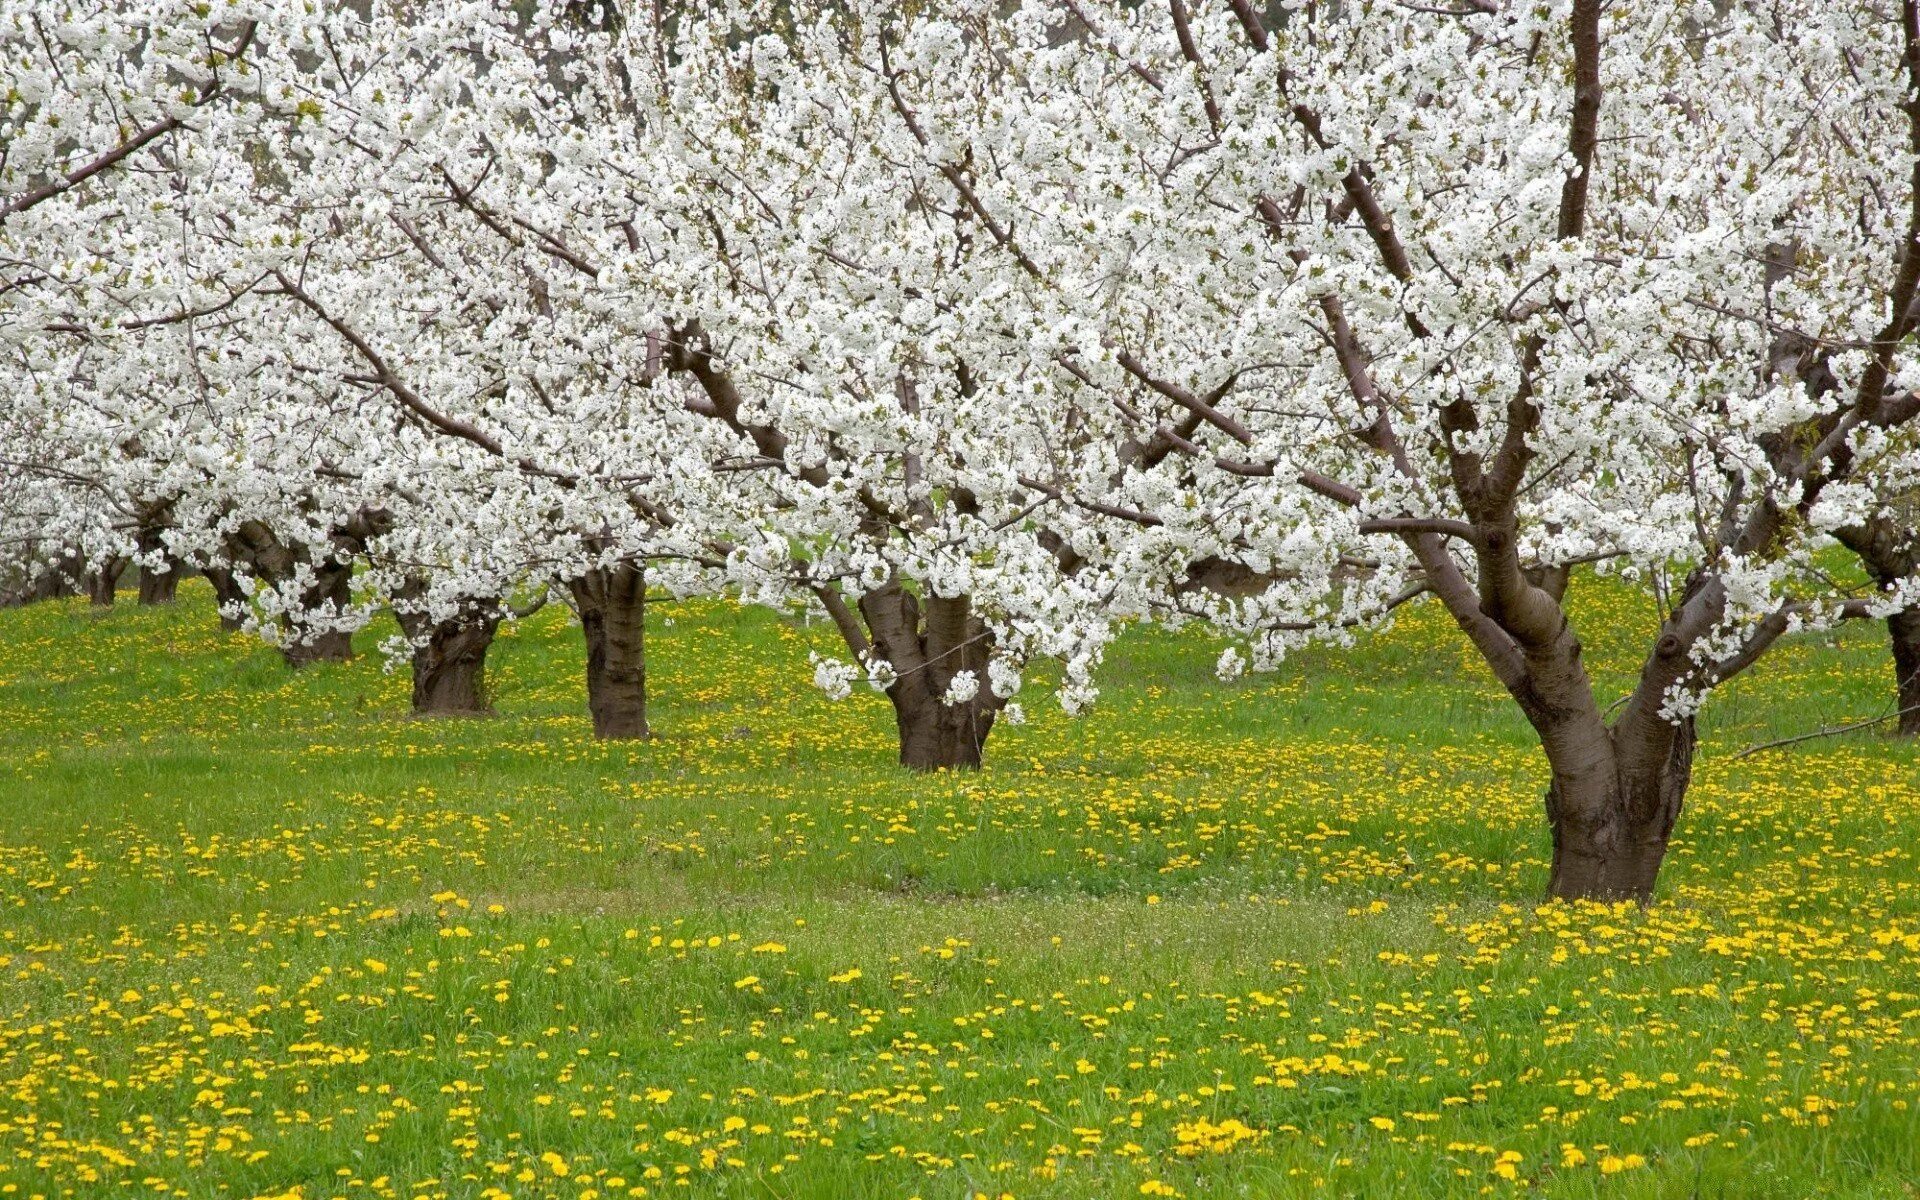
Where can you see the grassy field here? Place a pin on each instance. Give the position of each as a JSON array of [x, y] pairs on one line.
[[263, 935]]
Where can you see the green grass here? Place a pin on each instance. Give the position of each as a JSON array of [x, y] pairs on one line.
[[261, 933]]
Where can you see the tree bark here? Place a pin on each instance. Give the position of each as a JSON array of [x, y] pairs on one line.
[[612, 603], [926, 650], [226, 594], [1903, 629], [333, 584], [57, 578], [450, 659], [1887, 548], [104, 581], [1612, 823], [158, 587]]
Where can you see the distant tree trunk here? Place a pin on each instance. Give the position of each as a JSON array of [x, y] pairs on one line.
[[926, 651], [158, 587], [56, 578], [449, 658], [103, 581], [50, 586], [227, 594], [1888, 548], [333, 585], [612, 603], [1903, 629]]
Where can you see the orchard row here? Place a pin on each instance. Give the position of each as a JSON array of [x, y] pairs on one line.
[[982, 329]]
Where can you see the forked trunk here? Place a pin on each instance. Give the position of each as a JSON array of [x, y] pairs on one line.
[[1614, 792], [104, 581], [926, 655], [1903, 629], [612, 602], [332, 590], [1613, 819]]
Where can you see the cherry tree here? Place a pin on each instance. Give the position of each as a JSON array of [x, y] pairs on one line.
[[1451, 299], [161, 382], [531, 236]]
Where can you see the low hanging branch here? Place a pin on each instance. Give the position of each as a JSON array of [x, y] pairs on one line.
[[1829, 731]]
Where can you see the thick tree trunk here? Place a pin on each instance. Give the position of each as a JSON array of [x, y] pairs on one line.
[[449, 658], [925, 656], [227, 594], [158, 587], [104, 582], [1612, 820], [304, 645], [450, 671], [937, 736], [612, 603], [1903, 629]]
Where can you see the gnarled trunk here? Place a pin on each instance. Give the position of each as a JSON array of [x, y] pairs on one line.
[[104, 581], [612, 603], [1903, 630], [938, 736], [1612, 819], [333, 585], [450, 659], [226, 594], [926, 652], [450, 671]]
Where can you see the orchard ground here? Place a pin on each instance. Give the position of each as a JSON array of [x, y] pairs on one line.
[[266, 936]]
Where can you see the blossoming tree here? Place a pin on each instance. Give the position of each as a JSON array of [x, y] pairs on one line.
[[1469, 295]]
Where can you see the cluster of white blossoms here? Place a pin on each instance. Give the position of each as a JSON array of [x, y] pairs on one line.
[[983, 327]]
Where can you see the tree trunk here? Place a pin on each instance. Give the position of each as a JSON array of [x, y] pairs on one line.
[[1903, 628], [103, 582], [938, 736], [612, 602], [158, 587], [1614, 792], [1887, 549], [227, 594], [1612, 819], [333, 586], [449, 659], [54, 581], [925, 656]]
